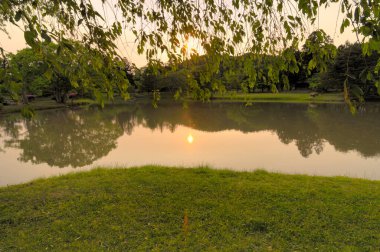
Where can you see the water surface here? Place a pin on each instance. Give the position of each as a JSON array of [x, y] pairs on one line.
[[289, 138]]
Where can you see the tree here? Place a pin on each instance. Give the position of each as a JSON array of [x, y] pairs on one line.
[[350, 64], [317, 53], [27, 68], [149, 77], [130, 71], [258, 27], [3, 72], [80, 68]]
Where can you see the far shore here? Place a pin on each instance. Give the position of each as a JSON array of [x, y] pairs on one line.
[[289, 97]]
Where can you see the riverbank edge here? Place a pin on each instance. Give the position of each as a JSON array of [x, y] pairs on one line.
[[41, 105], [288, 97], [202, 168], [190, 208], [47, 104]]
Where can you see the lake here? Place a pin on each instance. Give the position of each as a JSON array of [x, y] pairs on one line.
[[323, 139]]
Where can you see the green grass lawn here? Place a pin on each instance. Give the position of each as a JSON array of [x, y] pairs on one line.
[[48, 103], [170, 209], [39, 104], [291, 97], [282, 97]]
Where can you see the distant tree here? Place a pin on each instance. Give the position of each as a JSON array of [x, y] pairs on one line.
[[318, 52], [130, 71], [299, 78], [149, 78], [3, 71], [138, 79], [350, 64], [27, 68]]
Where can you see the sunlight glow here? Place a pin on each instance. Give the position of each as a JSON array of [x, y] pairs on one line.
[[190, 47], [190, 139]]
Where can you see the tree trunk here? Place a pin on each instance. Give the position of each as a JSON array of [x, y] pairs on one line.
[[57, 96], [25, 99], [64, 98], [60, 97]]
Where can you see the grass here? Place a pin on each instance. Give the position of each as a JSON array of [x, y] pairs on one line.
[[47, 103], [291, 97], [39, 104], [162, 209]]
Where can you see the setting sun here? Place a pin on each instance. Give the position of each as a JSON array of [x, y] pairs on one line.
[[189, 47], [190, 139]]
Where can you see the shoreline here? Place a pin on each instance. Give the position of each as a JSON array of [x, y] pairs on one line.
[[47, 104]]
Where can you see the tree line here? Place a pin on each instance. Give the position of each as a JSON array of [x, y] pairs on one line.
[[343, 63], [266, 35], [26, 74]]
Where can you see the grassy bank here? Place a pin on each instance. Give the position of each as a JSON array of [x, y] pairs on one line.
[[39, 104], [155, 208], [47, 103], [282, 97]]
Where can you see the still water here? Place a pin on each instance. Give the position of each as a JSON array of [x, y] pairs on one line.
[[288, 138]]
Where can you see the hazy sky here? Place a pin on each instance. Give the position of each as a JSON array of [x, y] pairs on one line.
[[327, 22]]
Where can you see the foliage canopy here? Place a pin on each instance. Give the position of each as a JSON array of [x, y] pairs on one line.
[[222, 28]]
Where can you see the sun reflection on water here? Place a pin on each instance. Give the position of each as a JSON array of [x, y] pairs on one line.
[[190, 139]]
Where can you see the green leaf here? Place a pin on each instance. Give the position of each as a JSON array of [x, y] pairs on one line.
[[345, 24], [74, 83], [377, 84], [365, 49], [48, 74], [357, 14], [374, 44], [357, 92], [45, 36], [30, 37], [18, 15], [68, 45], [312, 64]]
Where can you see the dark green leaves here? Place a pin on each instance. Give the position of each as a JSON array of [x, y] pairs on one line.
[[31, 38], [18, 15], [357, 14], [344, 25], [45, 36]]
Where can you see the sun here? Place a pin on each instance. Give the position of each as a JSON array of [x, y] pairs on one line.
[[190, 47]]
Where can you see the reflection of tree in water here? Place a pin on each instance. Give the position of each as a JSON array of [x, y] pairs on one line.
[[62, 138], [290, 124], [346, 132], [78, 138], [308, 127], [10, 128], [146, 116]]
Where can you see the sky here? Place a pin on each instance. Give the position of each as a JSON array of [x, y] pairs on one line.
[[327, 21]]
